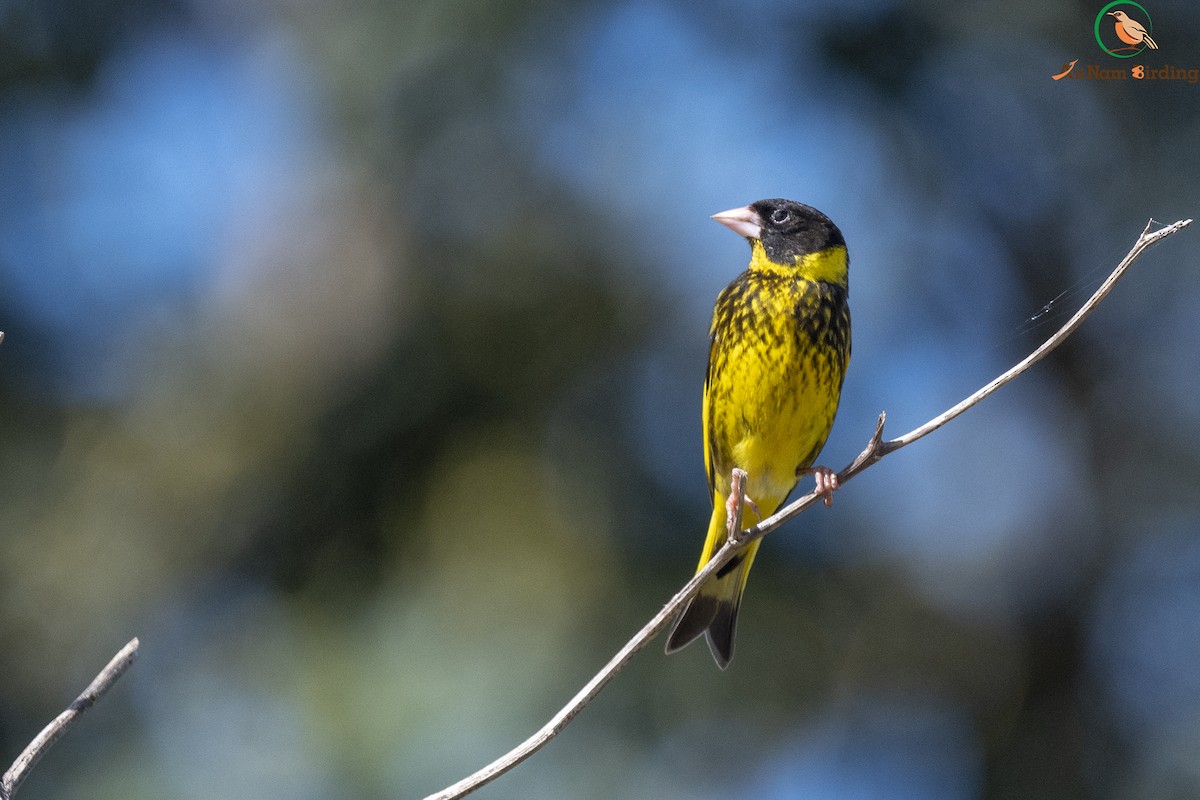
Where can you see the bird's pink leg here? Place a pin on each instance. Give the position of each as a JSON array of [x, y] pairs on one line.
[[732, 501]]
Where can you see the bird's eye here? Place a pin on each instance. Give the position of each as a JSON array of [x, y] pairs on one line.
[[780, 216]]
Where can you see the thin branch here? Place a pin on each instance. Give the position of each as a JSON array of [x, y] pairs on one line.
[[875, 450], [64, 721], [577, 703]]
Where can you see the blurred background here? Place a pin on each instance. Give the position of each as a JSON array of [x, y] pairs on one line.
[[353, 360]]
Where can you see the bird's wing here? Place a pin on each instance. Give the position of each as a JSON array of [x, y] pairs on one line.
[[705, 421], [1133, 26]]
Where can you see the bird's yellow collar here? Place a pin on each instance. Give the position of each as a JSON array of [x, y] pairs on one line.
[[828, 265]]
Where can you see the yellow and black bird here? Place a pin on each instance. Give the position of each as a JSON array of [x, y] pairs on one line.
[[778, 350]]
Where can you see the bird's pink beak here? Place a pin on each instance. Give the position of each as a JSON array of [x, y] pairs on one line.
[[744, 221]]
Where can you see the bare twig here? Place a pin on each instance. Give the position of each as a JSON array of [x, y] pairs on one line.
[[64, 721], [577, 703], [875, 450]]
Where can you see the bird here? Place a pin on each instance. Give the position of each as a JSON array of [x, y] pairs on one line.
[[1130, 31], [779, 346]]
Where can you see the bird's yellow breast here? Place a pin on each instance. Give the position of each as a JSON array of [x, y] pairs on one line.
[[779, 350]]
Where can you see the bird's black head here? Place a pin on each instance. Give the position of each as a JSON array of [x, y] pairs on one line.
[[789, 233], [790, 229]]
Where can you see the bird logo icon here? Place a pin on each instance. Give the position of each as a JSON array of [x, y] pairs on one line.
[[1123, 29], [1130, 31]]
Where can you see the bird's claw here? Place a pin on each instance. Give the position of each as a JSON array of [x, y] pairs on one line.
[[827, 483]]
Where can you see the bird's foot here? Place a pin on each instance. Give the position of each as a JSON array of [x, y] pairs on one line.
[[731, 507], [827, 482]]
